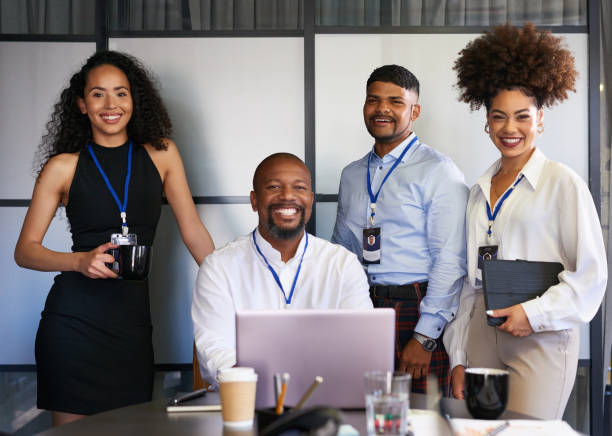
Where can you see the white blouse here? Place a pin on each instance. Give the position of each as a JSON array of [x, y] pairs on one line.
[[550, 217]]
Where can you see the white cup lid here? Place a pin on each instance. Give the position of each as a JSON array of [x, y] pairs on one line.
[[236, 374]]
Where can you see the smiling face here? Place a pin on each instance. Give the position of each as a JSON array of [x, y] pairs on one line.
[[107, 101], [388, 112], [513, 119], [283, 198]]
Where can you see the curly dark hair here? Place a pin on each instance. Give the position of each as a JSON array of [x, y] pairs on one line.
[[395, 74], [69, 130], [509, 57]]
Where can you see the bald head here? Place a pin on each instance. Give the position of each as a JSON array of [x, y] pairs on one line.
[[282, 197], [270, 161]]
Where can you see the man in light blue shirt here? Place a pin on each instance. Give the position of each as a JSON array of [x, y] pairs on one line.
[[401, 209]]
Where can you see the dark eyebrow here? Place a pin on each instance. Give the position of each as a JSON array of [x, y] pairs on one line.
[[391, 97], [515, 112], [116, 88]]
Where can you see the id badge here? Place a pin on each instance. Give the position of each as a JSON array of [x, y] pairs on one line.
[[119, 239], [371, 245], [485, 252]]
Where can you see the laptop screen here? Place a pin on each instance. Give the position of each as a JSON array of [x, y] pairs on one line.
[[339, 345]]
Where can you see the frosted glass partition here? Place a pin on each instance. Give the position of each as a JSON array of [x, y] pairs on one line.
[[233, 101], [326, 218], [23, 292], [32, 74], [344, 62], [173, 276]]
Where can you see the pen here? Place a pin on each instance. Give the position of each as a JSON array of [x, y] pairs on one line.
[[498, 429], [281, 398], [190, 396], [317, 381], [277, 387]]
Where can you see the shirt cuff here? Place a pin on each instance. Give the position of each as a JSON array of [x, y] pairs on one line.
[[430, 325], [535, 315], [456, 358]]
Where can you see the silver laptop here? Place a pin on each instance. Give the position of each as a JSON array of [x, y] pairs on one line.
[[339, 345]]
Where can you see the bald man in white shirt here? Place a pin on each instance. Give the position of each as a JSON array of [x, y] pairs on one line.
[[277, 266]]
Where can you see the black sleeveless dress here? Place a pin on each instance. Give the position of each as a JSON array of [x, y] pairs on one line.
[[93, 346]]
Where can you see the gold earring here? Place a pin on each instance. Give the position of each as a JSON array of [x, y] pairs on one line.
[[486, 129], [540, 127]]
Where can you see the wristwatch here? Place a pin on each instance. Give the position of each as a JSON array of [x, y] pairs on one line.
[[427, 343]]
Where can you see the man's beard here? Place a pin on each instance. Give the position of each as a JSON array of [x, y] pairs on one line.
[[286, 234], [380, 138]]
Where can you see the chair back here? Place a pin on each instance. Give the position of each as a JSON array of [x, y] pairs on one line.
[[198, 381]]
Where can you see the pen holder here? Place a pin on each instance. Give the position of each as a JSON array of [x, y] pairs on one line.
[[267, 416]]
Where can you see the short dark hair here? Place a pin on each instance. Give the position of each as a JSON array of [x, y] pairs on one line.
[[396, 74], [262, 164]]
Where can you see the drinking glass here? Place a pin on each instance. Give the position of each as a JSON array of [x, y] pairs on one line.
[[387, 397]]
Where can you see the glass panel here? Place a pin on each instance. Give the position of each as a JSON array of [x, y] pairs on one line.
[[450, 13], [32, 74], [186, 15], [48, 17], [204, 80]]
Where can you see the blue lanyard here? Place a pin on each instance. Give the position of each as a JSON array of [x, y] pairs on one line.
[[499, 203], [122, 206], [374, 198], [278, 282]]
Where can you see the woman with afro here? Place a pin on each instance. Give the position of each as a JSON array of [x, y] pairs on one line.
[[93, 346], [545, 212]]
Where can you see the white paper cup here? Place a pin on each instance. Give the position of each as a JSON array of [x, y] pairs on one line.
[[237, 390]]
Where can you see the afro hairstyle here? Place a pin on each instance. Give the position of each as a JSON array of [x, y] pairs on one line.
[[510, 57]]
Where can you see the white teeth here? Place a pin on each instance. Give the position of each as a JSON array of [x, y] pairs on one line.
[[511, 140], [286, 212], [110, 117], [382, 120]]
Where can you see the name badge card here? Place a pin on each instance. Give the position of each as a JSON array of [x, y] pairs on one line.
[[486, 251], [371, 245]]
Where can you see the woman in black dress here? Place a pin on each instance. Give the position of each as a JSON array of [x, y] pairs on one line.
[[93, 346]]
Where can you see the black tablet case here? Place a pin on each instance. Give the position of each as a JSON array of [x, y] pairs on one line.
[[509, 282]]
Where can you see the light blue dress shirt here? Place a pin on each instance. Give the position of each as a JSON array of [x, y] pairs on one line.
[[421, 212]]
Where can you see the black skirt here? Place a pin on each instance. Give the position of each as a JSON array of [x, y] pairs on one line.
[[93, 345]]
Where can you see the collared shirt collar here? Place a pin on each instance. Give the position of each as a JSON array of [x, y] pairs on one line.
[[397, 150], [272, 254], [531, 171]]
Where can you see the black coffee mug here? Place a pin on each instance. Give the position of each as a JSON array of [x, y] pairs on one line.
[[486, 392], [132, 262]]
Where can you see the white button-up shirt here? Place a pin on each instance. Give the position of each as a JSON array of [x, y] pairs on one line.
[[550, 217], [235, 277]]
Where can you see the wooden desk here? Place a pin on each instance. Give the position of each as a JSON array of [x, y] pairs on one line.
[[151, 419]]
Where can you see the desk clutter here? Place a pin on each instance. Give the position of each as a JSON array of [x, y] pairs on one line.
[[387, 408]]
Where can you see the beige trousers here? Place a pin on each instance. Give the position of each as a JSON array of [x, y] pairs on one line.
[[542, 366]]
